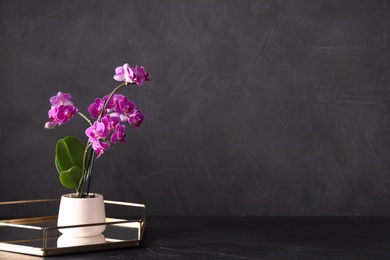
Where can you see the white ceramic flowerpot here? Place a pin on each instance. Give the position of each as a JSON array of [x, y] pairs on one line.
[[79, 211]]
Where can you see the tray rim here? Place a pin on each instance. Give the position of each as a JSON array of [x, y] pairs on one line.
[[51, 251]]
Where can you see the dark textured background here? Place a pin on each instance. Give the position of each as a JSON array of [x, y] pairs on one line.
[[255, 108]]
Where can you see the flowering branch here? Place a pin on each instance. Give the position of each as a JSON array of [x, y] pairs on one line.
[[109, 98]]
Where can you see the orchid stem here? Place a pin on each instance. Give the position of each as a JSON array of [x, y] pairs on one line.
[[90, 169], [83, 173], [86, 118]]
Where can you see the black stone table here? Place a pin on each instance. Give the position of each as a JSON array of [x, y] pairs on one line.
[[253, 238]]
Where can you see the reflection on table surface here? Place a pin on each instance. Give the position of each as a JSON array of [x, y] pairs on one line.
[[67, 241]]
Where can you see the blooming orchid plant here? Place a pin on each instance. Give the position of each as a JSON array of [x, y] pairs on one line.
[[73, 160]]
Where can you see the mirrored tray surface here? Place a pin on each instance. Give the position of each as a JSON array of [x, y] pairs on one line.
[[39, 235]]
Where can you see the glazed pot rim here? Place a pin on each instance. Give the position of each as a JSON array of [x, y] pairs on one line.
[[73, 196]]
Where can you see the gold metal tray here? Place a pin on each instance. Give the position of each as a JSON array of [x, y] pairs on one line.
[[39, 235]]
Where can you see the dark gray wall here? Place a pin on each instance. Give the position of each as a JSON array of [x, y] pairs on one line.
[[255, 108]]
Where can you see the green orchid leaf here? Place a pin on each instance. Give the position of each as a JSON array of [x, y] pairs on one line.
[[56, 163], [69, 153], [71, 178]]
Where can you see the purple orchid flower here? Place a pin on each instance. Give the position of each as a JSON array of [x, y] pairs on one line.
[[61, 111], [61, 99], [60, 115], [95, 109], [113, 120], [125, 106], [140, 75], [98, 130], [124, 73], [119, 134], [100, 147], [136, 118]]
